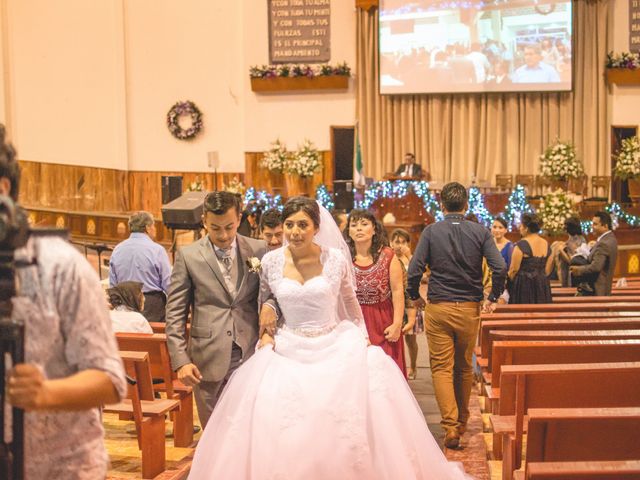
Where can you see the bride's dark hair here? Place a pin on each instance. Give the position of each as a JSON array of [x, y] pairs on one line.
[[302, 204], [379, 240]]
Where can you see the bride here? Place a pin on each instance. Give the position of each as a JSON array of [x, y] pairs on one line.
[[316, 402]]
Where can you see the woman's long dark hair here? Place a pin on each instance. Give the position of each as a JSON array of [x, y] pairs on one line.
[[126, 294], [379, 239]]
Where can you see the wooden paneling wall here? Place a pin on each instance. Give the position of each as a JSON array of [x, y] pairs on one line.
[[74, 188], [90, 189], [103, 190]]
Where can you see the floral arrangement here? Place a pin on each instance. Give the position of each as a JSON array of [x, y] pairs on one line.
[[628, 60], [628, 159], [555, 208], [196, 186], [276, 158], [559, 162], [272, 71], [178, 110], [234, 186], [305, 161]]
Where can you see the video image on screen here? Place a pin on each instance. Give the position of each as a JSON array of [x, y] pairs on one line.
[[456, 46]]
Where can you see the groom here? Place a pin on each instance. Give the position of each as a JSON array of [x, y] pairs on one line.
[[211, 277]]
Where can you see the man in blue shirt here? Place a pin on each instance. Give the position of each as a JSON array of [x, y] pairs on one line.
[[140, 259], [534, 69], [453, 249]]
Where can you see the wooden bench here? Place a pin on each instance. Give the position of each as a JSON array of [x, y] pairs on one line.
[[156, 346], [551, 335], [611, 470], [548, 352], [578, 434], [629, 323], [147, 412], [564, 315], [590, 385], [615, 306], [615, 292], [606, 299]]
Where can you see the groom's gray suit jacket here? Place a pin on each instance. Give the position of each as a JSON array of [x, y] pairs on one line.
[[218, 317]]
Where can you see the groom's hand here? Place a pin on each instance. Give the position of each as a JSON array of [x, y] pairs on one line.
[[189, 375], [268, 319]]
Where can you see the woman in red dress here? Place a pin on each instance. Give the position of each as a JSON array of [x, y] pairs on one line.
[[380, 289]]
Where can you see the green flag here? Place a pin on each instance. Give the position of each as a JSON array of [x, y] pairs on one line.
[[358, 167]]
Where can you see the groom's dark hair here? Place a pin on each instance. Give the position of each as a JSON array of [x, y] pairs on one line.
[[302, 204], [219, 203], [454, 197]]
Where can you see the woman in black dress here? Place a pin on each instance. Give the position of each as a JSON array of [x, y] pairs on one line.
[[531, 263]]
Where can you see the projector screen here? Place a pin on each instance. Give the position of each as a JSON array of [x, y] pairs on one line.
[[454, 46]]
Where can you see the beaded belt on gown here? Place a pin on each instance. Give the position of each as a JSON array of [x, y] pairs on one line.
[[308, 331]]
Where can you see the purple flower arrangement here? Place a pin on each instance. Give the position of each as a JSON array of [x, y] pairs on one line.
[[272, 71], [184, 108], [627, 60]]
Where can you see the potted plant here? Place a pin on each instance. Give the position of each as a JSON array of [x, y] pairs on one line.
[[628, 166], [275, 160], [623, 68], [303, 164], [555, 208], [559, 163], [273, 78]]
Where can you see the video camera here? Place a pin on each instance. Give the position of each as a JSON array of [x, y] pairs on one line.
[[14, 233]]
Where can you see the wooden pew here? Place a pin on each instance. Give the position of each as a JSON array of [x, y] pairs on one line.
[[578, 434], [147, 412], [551, 335], [564, 315], [486, 327], [608, 299], [616, 306], [615, 292], [611, 470], [549, 352], [583, 385], [156, 346]]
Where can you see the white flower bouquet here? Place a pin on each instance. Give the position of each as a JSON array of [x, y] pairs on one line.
[[559, 162], [628, 159], [555, 208], [235, 186], [305, 161], [276, 159]]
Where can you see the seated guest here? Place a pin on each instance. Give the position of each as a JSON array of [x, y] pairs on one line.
[[271, 228], [602, 257], [531, 263], [127, 302], [140, 259], [409, 168]]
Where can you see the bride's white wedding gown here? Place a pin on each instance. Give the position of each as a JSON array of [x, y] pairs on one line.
[[321, 405]]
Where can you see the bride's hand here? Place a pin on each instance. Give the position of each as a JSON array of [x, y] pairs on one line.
[[392, 332], [265, 340]]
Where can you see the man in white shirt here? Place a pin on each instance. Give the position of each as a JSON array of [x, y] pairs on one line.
[[535, 70]]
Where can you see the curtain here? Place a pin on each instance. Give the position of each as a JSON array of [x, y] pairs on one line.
[[457, 136]]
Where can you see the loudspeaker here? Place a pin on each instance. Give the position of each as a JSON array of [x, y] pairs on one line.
[[343, 194], [171, 188], [342, 139], [185, 212]]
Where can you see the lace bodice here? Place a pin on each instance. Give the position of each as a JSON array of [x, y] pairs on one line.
[[321, 302]]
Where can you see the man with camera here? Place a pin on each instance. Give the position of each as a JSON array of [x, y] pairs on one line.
[[72, 365]]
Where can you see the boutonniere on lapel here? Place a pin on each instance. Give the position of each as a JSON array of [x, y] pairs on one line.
[[254, 264]]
